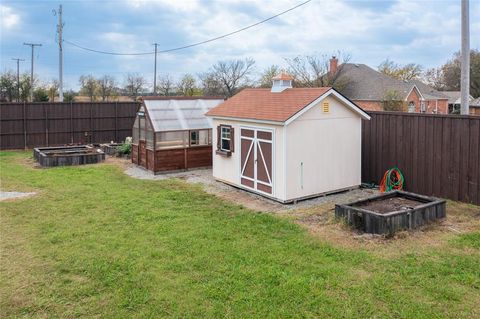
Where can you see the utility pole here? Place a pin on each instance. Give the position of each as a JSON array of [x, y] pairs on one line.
[[465, 64], [155, 71], [33, 45], [60, 52], [18, 77]]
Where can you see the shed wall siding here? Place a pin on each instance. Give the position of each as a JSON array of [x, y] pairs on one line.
[[227, 169], [328, 145]]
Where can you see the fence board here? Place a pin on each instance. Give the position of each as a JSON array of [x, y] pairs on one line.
[[438, 154]]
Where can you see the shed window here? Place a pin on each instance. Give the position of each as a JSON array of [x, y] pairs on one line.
[[194, 138], [149, 134], [168, 140], [225, 144], [142, 127], [200, 137], [135, 132]]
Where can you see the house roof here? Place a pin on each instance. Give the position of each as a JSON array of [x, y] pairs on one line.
[[264, 105], [475, 102], [427, 91], [454, 97], [179, 113], [365, 83], [162, 97]]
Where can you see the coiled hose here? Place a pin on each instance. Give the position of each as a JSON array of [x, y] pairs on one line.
[[392, 180]]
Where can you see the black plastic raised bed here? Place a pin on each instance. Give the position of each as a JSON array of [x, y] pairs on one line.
[[391, 212], [68, 155]]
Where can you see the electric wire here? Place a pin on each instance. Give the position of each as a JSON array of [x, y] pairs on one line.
[[193, 44]]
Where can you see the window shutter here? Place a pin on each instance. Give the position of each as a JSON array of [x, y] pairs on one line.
[[232, 139], [219, 135]]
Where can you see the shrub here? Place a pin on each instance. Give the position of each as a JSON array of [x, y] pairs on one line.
[[124, 149], [393, 102]]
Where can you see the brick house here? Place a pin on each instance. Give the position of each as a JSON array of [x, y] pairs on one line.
[[370, 89], [454, 103]]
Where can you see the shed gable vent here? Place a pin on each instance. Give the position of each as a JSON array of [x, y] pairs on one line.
[[326, 107]]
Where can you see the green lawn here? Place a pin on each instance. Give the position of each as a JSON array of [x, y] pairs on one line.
[[96, 243]]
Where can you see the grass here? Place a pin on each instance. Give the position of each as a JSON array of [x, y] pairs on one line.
[[96, 243]]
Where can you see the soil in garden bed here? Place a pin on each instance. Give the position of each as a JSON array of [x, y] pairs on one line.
[[388, 205]]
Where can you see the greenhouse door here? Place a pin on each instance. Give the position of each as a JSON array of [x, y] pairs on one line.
[[256, 147]]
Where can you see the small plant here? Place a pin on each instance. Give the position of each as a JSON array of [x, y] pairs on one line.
[[124, 149]]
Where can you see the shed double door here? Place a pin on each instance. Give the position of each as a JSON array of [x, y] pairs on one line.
[[256, 159]]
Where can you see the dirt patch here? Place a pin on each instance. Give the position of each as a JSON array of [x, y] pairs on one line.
[[121, 162], [14, 195], [388, 205]]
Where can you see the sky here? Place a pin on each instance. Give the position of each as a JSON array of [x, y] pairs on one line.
[[423, 32]]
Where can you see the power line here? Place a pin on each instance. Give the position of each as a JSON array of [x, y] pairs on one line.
[[193, 44]]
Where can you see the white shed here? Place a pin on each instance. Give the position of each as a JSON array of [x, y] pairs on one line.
[[288, 143]]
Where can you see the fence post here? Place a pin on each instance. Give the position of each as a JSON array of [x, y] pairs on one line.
[[24, 125]]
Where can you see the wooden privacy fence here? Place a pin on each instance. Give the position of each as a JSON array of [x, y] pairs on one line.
[[438, 154], [27, 125]]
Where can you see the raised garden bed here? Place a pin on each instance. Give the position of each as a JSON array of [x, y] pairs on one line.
[[68, 155], [110, 148], [392, 212]]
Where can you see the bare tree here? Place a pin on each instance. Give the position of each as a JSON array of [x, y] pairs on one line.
[[232, 74], [106, 86], [314, 71], [52, 89], [134, 84], [187, 85], [267, 75], [165, 85], [405, 72], [210, 85], [88, 86], [434, 78]]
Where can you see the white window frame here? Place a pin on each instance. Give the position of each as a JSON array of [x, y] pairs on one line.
[[197, 132], [229, 139]]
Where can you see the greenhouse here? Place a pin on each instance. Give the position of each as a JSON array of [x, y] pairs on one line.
[[173, 133]]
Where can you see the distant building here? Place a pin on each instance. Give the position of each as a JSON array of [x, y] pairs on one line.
[[370, 89], [454, 103]]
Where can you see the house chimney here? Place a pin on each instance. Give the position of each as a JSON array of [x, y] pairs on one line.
[[333, 65], [281, 82]]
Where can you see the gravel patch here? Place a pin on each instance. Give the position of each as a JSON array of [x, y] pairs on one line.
[[13, 195], [247, 199]]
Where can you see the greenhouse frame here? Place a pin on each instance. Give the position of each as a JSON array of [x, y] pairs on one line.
[[173, 133]]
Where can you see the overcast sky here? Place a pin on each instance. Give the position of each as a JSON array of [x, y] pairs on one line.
[[424, 32]]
